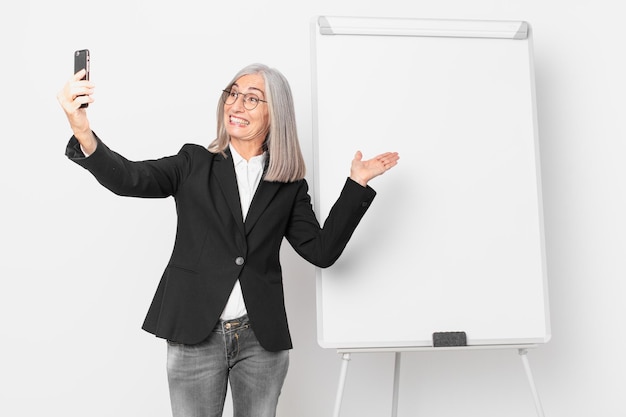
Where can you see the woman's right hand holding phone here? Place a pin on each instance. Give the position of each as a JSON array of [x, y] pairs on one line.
[[75, 93]]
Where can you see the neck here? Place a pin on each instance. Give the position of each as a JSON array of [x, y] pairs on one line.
[[247, 150]]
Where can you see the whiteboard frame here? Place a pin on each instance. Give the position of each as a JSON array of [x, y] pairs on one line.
[[374, 26], [514, 30]]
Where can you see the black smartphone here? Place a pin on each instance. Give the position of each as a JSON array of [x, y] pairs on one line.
[[81, 60]]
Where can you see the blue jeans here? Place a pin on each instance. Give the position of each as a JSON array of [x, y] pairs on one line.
[[198, 374]]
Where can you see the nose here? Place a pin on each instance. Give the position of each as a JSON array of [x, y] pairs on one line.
[[238, 104]]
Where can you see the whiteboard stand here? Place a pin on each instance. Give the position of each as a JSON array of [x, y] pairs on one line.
[[345, 359], [523, 352]]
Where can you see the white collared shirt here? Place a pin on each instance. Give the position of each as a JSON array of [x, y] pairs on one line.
[[249, 175]]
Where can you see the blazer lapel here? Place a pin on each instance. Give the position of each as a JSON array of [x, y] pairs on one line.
[[263, 196], [224, 171]]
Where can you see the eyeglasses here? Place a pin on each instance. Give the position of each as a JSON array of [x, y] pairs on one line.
[[250, 100]]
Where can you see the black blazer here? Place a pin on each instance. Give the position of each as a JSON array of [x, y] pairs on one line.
[[214, 247]]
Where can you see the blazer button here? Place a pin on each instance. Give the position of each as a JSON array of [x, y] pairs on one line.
[[239, 260]]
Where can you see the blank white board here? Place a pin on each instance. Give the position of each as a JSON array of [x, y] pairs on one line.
[[454, 239]]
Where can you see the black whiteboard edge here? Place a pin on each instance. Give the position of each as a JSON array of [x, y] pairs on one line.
[[495, 29]]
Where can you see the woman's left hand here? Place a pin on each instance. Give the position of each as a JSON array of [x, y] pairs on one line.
[[362, 171]]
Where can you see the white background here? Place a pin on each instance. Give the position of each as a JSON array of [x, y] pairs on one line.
[[79, 265]]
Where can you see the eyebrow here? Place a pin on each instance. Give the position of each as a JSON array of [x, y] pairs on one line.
[[251, 88]]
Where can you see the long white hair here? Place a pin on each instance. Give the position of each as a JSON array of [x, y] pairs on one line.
[[286, 163]]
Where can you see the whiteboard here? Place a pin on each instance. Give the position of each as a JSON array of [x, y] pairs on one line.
[[454, 239]]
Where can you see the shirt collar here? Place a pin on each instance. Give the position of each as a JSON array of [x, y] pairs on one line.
[[238, 159]]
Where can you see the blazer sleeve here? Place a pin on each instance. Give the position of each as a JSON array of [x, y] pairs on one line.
[[322, 245], [151, 179]]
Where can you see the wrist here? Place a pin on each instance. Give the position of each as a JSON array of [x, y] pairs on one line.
[[362, 182], [87, 141]]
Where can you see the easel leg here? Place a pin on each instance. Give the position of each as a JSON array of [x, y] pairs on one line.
[[523, 354], [345, 359], [396, 385]]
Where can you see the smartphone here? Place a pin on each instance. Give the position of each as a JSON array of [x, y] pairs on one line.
[[81, 60]]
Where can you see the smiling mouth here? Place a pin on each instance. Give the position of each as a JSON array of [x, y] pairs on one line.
[[238, 121]]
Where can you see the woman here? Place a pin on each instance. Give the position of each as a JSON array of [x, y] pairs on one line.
[[220, 303]]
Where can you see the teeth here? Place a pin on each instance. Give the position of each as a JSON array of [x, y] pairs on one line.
[[239, 121]]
